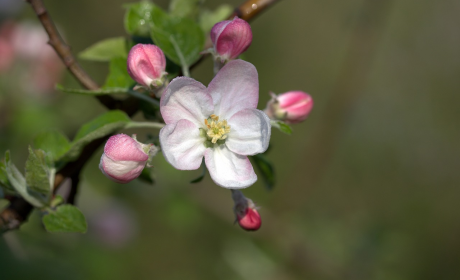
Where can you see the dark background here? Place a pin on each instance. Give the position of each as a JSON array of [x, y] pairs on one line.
[[367, 187]]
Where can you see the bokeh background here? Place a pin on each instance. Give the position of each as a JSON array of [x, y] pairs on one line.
[[367, 187]]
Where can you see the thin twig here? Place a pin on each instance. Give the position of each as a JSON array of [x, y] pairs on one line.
[[63, 50]]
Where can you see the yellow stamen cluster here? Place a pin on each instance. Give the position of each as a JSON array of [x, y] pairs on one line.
[[217, 130]]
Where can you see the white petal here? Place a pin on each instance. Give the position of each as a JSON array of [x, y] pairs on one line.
[[234, 88], [250, 131], [229, 170], [185, 98], [182, 145]]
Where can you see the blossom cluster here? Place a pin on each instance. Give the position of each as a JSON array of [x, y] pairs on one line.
[[219, 123]]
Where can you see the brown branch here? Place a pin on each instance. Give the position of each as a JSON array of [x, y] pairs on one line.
[[19, 209], [63, 50]]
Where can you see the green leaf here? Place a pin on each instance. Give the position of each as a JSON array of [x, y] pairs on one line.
[[208, 18], [283, 127], [54, 143], [19, 184], [102, 126], [138, 18], [106, 50], [4, 177], [37, 172], [266, 169], [181, 39], [185, 8], [118, 74], [66, 218], [102, 91]]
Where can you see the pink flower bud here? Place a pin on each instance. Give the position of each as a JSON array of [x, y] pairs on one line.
[[124, 158], [146, 65], [245, 211], [290, 107], [231, 38]]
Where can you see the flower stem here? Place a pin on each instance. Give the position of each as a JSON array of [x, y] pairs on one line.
[[145, 125], [145, 98]]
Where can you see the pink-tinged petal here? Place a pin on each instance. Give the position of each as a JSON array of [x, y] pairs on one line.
[[234, 88], [120, 171], [249, 133], [123, 147], [146, 63], [229, 170], [185, 98], [217, 29], [234, 39], [182, 145]]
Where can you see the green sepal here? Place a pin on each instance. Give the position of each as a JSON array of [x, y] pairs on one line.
[[282, 126]]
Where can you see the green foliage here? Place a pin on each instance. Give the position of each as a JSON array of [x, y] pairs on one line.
[[102, 126], [106, 50], [19, 184], [208, 18], [266, 169], [181, 39], [102, 91], [54, 143], [282, 126], [38, 173], [185, 8], [118, 74], [138, 18], [66, 218], [4, 177]]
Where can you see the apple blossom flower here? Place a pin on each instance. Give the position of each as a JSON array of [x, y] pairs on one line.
[[219, 122], [124, 158], [290, 107], [245, 212], [146, 65], [231, 38]]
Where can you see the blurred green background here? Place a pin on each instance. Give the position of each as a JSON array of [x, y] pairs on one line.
[[367, 187]]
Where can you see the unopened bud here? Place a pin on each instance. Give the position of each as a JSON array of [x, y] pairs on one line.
[[231, 38], [146, 65], [245, 211], [290, 107], [124, 158]]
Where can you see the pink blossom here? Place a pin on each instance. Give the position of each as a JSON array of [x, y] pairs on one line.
[[124, 158], [290, 107], [219, 122], [146, 65], [231, 38], [245, 211]]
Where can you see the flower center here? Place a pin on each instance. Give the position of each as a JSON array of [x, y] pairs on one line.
[[216, 130]]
